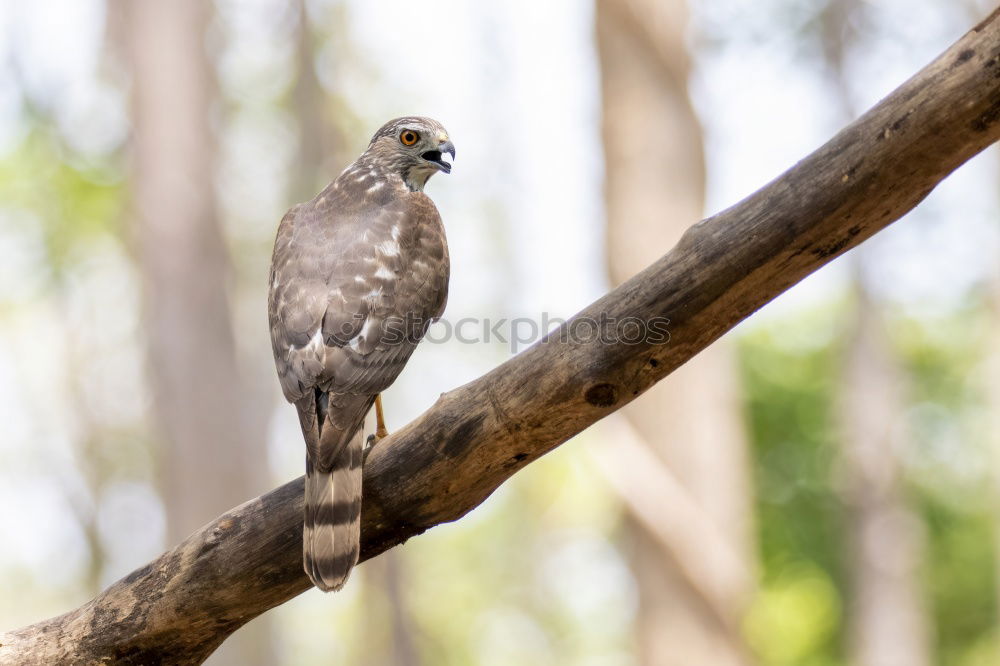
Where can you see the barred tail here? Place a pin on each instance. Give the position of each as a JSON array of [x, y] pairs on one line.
[[331, 533]]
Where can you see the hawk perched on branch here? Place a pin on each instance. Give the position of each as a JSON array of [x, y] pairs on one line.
[[357, 276]]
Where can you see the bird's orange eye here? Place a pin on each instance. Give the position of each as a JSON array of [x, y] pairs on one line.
[[408, 137]]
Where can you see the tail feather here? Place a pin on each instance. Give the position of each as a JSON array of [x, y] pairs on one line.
[[331, 534]]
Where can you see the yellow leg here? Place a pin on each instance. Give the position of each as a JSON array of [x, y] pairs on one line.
[[380, 430]]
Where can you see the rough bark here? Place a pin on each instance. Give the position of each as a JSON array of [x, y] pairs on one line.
[[182, 605], [655, 186]]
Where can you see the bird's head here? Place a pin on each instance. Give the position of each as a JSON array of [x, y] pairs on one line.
[[414, 147]]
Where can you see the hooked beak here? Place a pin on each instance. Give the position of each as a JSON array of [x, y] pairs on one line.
[[436, 157]]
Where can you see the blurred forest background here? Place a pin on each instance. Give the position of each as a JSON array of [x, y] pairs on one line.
[[821, 487]]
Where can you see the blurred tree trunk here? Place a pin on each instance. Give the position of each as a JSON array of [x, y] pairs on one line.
[[211, 458], [993, 409], [90, 459], [992, 392], [888, 624], [387, 632], [318, 136], [887, 620], [975, 10], [655, 173]]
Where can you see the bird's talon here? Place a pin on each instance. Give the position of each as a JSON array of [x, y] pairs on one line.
[[373, 439]]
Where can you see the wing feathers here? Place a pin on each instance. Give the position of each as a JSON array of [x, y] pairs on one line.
[[342, 277]]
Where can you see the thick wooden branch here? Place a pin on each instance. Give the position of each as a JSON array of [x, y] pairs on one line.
[[181, 606]]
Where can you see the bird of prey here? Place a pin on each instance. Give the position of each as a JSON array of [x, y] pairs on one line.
[[357, 276]]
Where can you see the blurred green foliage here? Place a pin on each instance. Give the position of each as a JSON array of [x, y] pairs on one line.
[[71, 197], [790, 392]]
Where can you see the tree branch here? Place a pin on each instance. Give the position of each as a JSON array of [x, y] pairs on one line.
[[181, 606]]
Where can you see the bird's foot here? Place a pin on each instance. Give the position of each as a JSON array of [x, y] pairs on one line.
[[373, 439], [380, 429]]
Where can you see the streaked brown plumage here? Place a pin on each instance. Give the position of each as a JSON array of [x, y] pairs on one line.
[[357, 275]]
